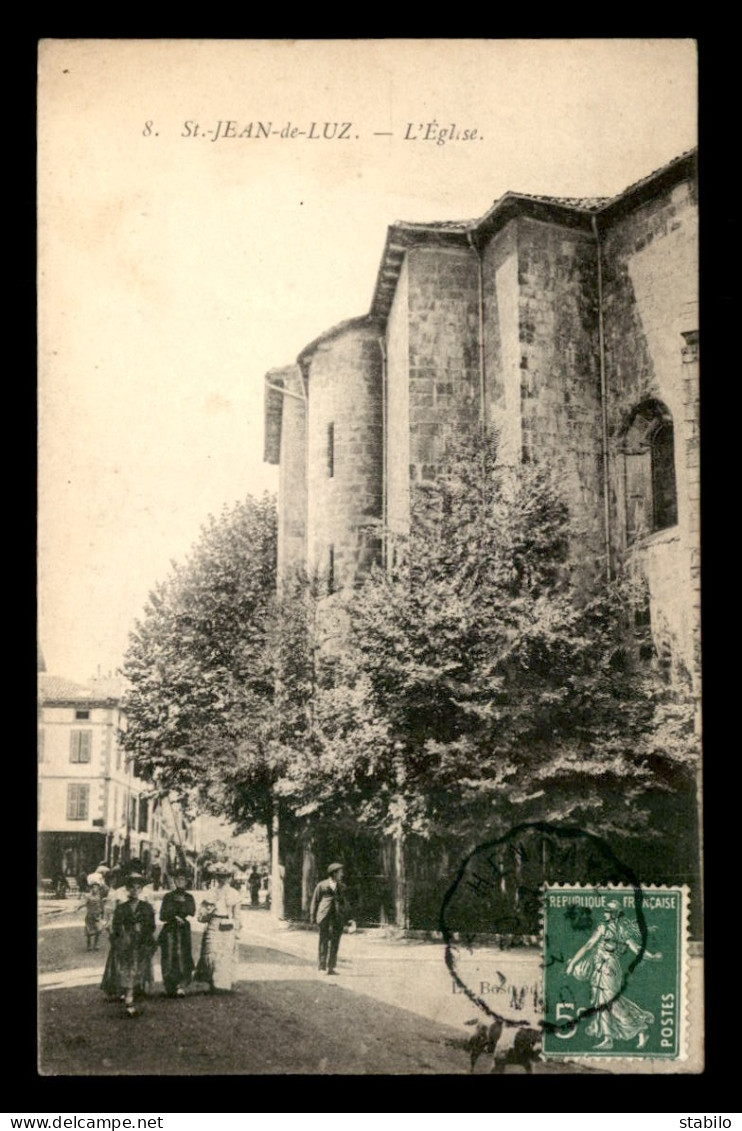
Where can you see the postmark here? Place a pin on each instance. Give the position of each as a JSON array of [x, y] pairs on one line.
[[614, 963], [597, 965], [495, 901]]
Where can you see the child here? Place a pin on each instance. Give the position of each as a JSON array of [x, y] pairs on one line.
[[95, 911]]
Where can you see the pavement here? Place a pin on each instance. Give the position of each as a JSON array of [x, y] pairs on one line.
[[410, 974], [407, 974], [285, 1017]]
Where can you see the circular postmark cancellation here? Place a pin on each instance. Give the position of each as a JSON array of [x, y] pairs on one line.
[[611, 974]]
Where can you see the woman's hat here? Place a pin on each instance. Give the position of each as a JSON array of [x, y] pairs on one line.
[[94, 878], [334, 868]]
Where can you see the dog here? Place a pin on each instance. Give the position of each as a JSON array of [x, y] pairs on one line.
[[521, 1046]]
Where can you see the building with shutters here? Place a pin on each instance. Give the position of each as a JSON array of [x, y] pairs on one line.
[[92, 807]]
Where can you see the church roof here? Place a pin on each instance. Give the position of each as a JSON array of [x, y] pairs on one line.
[[573, 212]]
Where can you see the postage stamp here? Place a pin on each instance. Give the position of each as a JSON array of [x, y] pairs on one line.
[[614, 971]]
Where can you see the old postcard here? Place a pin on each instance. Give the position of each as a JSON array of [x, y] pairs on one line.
[[369, 629]]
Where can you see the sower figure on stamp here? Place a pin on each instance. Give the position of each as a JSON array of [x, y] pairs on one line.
[[328, 911], [598, 962]]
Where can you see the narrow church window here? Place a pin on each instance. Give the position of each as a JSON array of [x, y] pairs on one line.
[[664, 494], [649, 464], [331, 451], [331, 569]]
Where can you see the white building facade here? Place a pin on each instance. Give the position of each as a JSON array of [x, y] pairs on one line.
[[92, 807]]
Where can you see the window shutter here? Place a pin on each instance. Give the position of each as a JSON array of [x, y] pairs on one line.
[[81, 745], [73, 800], [86, 745], [78, 801]]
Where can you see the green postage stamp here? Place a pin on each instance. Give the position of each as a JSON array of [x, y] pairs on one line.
[[615, 980]]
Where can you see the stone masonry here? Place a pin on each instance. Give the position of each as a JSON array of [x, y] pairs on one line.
[[570, 327]]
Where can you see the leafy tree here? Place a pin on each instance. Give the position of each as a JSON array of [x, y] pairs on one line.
[[215, 852], [487, 681], [483, 681], [241, 851], [200, 667]]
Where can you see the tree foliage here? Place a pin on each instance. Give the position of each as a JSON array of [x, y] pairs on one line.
[[482, 680], [200, 668], [485, 679], [243, 851]]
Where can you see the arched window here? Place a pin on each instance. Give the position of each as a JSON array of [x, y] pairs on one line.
[[649, 460]]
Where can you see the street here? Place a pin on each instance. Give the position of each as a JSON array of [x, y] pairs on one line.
[[391, 1010], [283, 1018]]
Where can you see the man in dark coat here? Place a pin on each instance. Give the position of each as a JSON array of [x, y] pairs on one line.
[[327, 910], [253, 882]]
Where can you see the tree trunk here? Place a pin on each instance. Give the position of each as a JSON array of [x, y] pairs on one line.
[[308, 872], [277, 906], [401, 894]]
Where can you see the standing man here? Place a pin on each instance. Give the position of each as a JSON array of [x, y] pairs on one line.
[[253, 882], [327, 910]]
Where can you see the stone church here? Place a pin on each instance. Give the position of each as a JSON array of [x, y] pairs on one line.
[[571, 327]]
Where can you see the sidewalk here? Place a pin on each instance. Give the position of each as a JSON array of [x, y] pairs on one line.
[[412, 974], [408, 973]]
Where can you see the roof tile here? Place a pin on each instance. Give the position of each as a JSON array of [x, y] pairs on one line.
[[55, 688]]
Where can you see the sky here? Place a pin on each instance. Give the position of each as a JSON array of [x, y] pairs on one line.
[[181, 257]]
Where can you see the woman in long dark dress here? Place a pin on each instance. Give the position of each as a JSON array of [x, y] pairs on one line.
[[128, 970], [175, 937]]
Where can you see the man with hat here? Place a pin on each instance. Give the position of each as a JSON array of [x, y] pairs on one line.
[[327, 910]]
